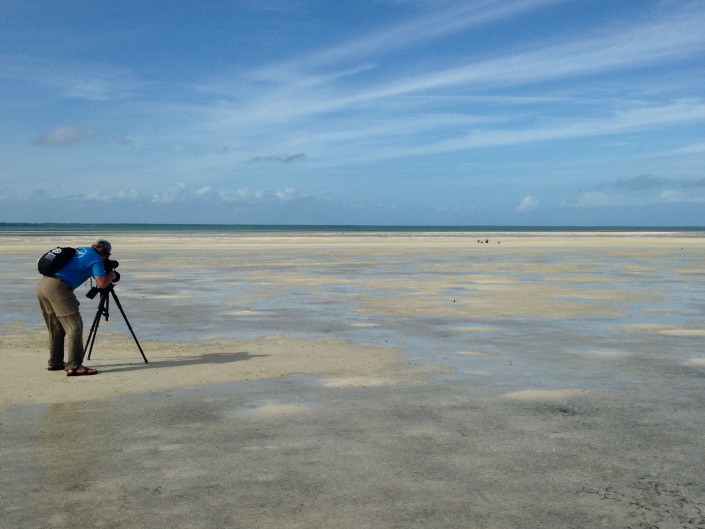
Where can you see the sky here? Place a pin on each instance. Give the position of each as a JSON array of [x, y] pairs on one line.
[[373, 112]]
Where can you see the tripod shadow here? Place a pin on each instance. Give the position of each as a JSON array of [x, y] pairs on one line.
[[208, 358]]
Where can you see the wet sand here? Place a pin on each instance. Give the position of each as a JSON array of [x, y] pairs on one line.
[[365, 380]]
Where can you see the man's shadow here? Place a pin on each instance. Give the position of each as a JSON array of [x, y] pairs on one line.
[[208, 358]]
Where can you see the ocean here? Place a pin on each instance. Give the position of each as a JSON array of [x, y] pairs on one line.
[[49, 228]]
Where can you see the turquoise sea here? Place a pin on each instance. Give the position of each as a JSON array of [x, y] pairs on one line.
[[43, 228]]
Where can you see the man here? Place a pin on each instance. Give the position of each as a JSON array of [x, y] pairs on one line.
[[60, 306]]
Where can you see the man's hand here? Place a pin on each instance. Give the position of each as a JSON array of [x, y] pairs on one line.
[[105, 281]]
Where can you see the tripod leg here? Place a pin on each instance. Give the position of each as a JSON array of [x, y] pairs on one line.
[[94, 327], [117, 302]]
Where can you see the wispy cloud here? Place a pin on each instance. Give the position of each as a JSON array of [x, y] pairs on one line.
[[648, 181], [66, 135], [642, 182], [600, 199], [319, 89], [622, 121], [72, 79], [527, 204], [282, 158], [282, 90], [692, 182], [675, 38], [461, 16], [247, 197], [677, 195], [690, 149]]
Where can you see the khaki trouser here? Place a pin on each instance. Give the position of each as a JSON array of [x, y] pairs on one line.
[[60, 309]]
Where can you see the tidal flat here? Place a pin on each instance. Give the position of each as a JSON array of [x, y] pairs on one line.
[[364, 380]]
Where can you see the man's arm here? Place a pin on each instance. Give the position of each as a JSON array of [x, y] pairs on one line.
[[105, 281]]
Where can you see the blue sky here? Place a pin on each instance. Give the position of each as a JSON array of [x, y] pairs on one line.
[[506, 112]]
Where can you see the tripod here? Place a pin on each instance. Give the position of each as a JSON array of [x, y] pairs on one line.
[[103, 310]]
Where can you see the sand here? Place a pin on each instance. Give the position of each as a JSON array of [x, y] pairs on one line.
[[365, 380]]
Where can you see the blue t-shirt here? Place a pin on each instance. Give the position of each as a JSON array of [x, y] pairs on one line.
[[85, 263]]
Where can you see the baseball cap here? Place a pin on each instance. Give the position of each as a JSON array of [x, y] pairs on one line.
[[105, 244]]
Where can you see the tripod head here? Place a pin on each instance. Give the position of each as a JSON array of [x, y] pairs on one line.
[[110, 266], [94, 291]]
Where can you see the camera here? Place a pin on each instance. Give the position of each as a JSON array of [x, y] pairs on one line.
[[110, 266], [93, 292]]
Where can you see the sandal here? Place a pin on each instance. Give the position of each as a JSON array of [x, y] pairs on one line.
[[81, 371], [56, 367]]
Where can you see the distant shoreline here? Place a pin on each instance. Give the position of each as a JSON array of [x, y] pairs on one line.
[[42, 228]]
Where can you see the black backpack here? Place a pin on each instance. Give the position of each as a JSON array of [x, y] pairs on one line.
[[52, 261]]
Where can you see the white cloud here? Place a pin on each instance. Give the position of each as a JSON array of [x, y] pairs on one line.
[[620, 122], [245, 197], [598, 199], [176, 193], [73, 79], [97, 196], [669, 39], [642, 182], [528, 203], [675, 195], [282, 158], [648, 181], [697, 148], [66, 135], [128, 194], [414, 32]]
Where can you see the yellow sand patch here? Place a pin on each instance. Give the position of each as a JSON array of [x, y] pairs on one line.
[[644, 327], [666, 330], [356, 382], [602, 353], [476, 373], [279, 410], [683, 332], [697, 361], [477, 328], [546, 394], [609, 354]]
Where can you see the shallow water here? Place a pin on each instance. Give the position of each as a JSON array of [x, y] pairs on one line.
[[562, 378]]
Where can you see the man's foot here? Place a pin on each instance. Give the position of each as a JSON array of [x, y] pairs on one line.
[[81, 371], [56, 367]]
